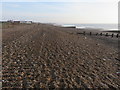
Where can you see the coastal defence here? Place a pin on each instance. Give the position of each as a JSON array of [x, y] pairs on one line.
[[105, 33], [47, 56]]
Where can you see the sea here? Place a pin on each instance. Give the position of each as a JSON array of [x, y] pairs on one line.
[[102, 27]]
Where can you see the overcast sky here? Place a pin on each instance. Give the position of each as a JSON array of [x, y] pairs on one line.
[[58, 11]]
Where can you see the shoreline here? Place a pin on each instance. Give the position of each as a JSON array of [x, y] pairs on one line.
[[101, 27], [105, 38], [113, 31]]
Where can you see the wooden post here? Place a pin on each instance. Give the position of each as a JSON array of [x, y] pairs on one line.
[[101, 34], [117, 35], [96, 34], [84, 32], [106, 34], [90, 33], [112, 34]]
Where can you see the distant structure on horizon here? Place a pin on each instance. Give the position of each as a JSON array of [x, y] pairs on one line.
[[27, 22], [18, 22]]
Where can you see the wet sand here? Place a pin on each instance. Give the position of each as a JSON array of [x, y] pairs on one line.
[[46, 56]]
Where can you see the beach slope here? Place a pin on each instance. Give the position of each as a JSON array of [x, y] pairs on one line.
[[47, 56]]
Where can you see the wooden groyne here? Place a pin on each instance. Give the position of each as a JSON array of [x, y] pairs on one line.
[[99, 34], [70, 27]]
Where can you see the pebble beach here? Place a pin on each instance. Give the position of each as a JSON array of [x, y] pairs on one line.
[[48, 56]]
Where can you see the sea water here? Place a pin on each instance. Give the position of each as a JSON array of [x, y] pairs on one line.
[[95, 26]]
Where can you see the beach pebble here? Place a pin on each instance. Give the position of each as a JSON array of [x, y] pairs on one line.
[[97, 44], [85, 38], [104, 59], [48, 56]]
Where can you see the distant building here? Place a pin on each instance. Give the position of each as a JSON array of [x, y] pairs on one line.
[[3, 21], [22, 21], [10, 21], [16, 22], [29, 22], [26, 22]]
